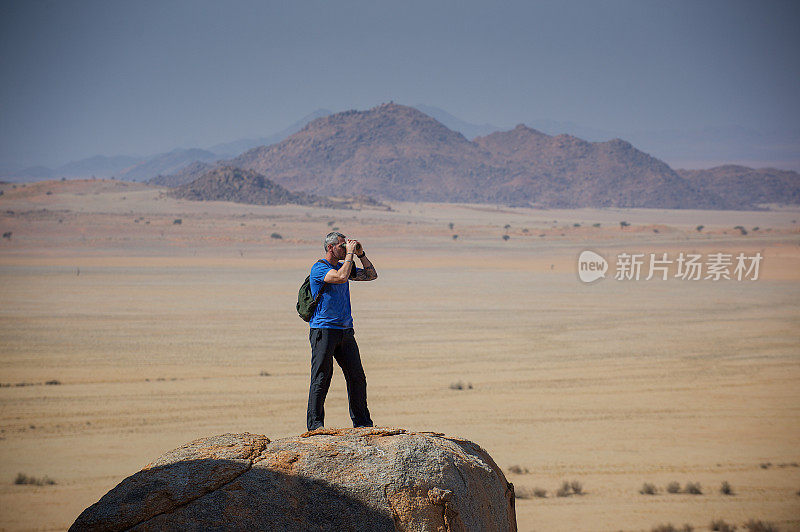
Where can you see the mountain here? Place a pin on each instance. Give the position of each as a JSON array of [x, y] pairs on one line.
[[231, 149], [228, 183], [567, 172], [467, 129], [187, 174], [161, 164], [740, 184], [397, 152], [166, 163]]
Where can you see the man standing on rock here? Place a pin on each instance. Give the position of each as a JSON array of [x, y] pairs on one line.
[[331, 333]]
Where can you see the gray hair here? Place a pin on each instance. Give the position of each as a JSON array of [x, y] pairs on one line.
[[331, 238]]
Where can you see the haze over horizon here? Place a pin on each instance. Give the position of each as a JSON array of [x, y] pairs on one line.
[[687, 81]]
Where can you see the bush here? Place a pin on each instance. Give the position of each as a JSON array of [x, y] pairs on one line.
[[719, 525], [526, 493], [759, 526], [623, 225], [53, 382], [455, 237], [522, 493], [699, 228], [693, 488], [671, 528], [276, 236], [648, 489], [673, 487], [570, 488], [506, 237], [726, 488], [177, 221], [23, 479], [741, 229], [518, 470]]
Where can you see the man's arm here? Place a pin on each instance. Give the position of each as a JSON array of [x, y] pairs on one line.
[[368, 272]]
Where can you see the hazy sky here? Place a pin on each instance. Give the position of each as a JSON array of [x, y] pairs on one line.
[[81, 78]]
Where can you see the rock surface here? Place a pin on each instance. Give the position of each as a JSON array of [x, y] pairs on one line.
[[327, 479]]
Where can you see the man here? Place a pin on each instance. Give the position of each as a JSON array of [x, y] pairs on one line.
[[331, 333]]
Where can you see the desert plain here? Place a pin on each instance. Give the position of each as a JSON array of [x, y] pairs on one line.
[[125, 334]]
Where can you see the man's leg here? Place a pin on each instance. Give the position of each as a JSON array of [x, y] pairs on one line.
[[323, 342], [349, 359]]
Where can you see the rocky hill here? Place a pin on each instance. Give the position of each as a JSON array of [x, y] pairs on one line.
[[391, 151], [396, 152], [326, 480], [568, 172], [743, 185], [229, 183]]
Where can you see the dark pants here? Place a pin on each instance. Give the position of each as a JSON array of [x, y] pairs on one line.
[[327, 344]]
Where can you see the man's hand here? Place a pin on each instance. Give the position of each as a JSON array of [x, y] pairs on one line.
[[350, 245]]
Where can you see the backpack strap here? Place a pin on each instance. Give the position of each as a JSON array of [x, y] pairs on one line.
[[322, 288]]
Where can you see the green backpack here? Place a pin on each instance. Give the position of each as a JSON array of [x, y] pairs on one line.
[[306, 303]]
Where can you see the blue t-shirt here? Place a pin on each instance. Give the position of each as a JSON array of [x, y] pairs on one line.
[[333, 309]]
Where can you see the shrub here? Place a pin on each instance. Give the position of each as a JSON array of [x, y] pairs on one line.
[[23, 479], [719, 525], [460, 386], [331, 223], [759, 526], [741, 229], [276, 236], [648, 489], [699, 228], [671, 528], [576, 225], [726, 488], [564, 490], [507, 227], [673, 487], [264, 374], [518, 470], [506, 237], [693, 488], [577, 487], [177, 221], [623, 225], [7, 235], [596, 225], [540, 493], [455, 237], [451, 225], [522, 493], [53, 382]]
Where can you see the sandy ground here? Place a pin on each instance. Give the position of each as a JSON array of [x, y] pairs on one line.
[[159, 333]]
